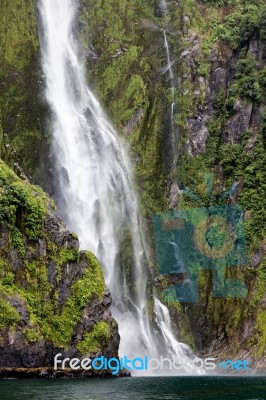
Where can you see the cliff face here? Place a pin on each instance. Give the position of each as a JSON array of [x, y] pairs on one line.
[[52, 296], [218, 59], [21, 108], [226, 137]]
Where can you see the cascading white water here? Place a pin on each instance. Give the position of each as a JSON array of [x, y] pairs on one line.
[[172, 88], [98, 196], [169, 63]]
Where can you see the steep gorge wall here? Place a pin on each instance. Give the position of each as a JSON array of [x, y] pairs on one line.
[[218, 55], [53, 297]]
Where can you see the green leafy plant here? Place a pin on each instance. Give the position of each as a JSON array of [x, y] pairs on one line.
[[94, 341]]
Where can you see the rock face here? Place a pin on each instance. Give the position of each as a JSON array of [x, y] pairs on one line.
[[218, 58], [52, 296]]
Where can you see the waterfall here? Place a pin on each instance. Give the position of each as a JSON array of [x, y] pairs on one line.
[[169, 63], [172, 87], [97, 195]]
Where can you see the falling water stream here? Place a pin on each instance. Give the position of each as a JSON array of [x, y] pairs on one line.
[[172, 88], [97, 195]]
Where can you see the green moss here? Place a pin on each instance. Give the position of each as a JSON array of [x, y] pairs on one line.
[[231, 163], [8, 280], [17, 241], [126, 78], [58, 327], [247, 80], [32, 335], [125, 73], [8, 314], [22, 206], [91, 283], [259, 289], [95, 340], [68, 255], [21, 139], [74, 236], [17, 17], [260, 325], [52, 248]]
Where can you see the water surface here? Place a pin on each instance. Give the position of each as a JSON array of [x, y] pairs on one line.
[[177, 388]]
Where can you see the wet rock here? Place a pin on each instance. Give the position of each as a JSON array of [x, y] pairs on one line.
[[256, 118], [163, 5], [134, 121], [149, 24], [51, 264], [22, 373], [4, 236], [247, 215], [239, 122], [173, 195], [198, 135], [257, 257]]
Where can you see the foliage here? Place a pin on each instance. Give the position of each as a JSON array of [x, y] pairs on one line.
[[8, 314], [8, 280], [250, 168], [95, 340], [240, 26], [21, 108], [58, 326], [68, 255], [124, 67], [46, 318], [22, 206], [17, 241], [262, 23], [125, 75], [247, 80], [32, 335]]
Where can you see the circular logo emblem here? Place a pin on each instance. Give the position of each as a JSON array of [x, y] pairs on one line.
[[214, 237]]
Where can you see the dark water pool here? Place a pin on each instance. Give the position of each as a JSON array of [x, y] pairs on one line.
[[178, 388]]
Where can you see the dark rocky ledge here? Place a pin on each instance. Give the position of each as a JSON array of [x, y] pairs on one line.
[[22, 373]]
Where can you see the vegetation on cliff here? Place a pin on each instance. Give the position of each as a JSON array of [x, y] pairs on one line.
[[218, 54], [218, 59], [22, 111], [47, 287]]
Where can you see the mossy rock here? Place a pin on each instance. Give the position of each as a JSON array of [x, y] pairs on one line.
[[51, 295]]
